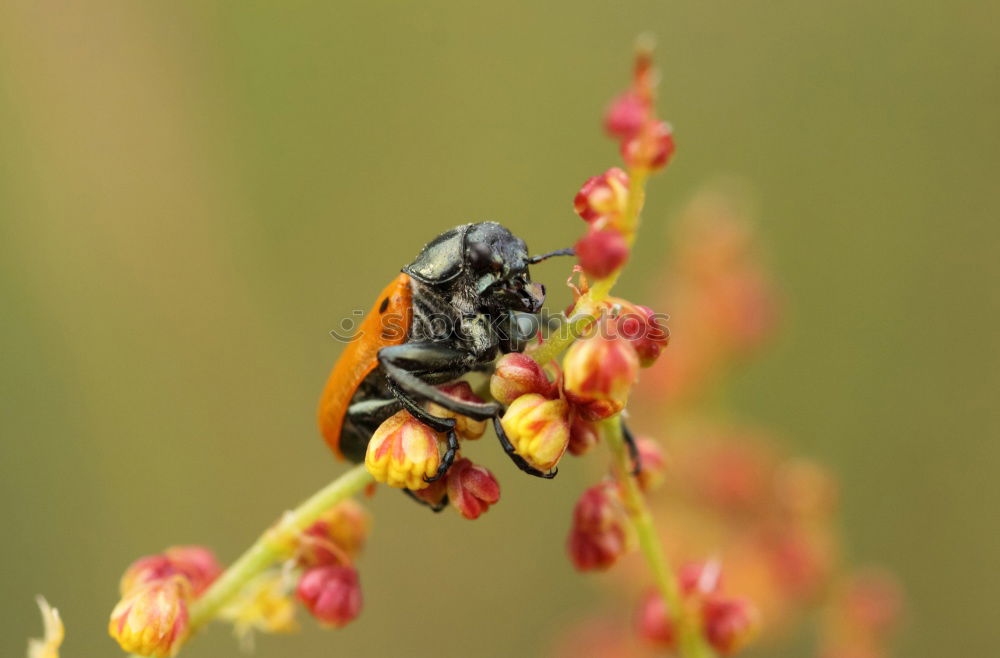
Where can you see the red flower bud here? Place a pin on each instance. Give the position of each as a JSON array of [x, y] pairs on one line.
[[332, 594], [598, 536], [146, 570], [700, 577], [465, 427], [601, 252], [730, 624], [650, 148], [653, 463], [654, 623], [626, 115], [603, 196], [646, 330], [471, 488], [336, 537], [196, 564], [516, 375], [582, 436], [599, 373]]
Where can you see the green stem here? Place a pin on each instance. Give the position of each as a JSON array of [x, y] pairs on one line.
[[275, 544], [691, 644]]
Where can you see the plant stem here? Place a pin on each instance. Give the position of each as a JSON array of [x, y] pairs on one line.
[[690, 642], [275, 544]]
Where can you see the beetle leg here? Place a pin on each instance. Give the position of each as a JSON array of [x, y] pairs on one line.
[[434, 508], [518, 460], [633, 449], [447, 458], [436, 423], [400, 361]]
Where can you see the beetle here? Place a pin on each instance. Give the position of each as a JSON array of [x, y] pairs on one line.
[[448, 313]]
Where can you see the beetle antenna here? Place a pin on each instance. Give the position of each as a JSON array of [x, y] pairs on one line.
[[568, 251]]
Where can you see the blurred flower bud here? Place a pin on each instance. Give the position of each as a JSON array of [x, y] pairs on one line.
[[336, 537], [471, 488], [582, 436], [598, 535], [599, 373], [264, 604], [871, 602], [465, 427], [653, 463], [601, 252], [331, 593], [152, 620], [402, 452], [700, 577], [644, 329], [730, 623], [650, 148], [197, 564], [146, 570], [436, 493], [516, 375], [654, 623], [538, 428], [603, 196], [626, 115]]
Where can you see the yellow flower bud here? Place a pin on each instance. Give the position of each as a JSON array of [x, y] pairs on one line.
[[538, 428], [599, 374], [402, 452], [152, 620]]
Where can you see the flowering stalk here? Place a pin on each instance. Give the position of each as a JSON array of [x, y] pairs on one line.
[[275, 544]]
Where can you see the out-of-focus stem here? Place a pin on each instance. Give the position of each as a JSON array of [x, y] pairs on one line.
[[275, 544], [690, 642]]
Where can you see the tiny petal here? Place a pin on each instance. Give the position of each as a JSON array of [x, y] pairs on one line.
[[601, 252], [603, 197], [48, 645], [516, 375], [153, 619], [654, 623], [650, 148], [599, 374], [332, 594], [538, 428], [465, 427], [626, 115], [471, 488], [402, 452], [730, 623]]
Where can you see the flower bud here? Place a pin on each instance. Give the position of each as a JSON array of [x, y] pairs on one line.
[[601, 252], [654, 623], [603, 196], [700, 578], [730, 623], [465, 427], [599, 373], [471, 488], [146, 570], [644, 329], [626, 115], [582, 436], [332, 594], [435, 494], [336, 537], [402, 452], [653, 463], [197, 564], [598, 535], [538, 428], [516, 375], [650, 148], [152, 620]]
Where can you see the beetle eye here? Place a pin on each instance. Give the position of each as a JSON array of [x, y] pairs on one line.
[[482, 259]]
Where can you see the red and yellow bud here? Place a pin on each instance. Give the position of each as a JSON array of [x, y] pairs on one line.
[[583, 436], [152, 619], [626, 115], [197, 564], [538, 428], [598, 536], [654, 623], [465, 427], [145, 570], [729, 623], [650, 148], [471, 488], [603, 197], [599, 373], [653, 463], [516, 375], [602, 251], [332, 594], [644, 329], [336, 537], [402, 452]]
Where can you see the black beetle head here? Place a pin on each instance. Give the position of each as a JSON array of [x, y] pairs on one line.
[[488, 260]]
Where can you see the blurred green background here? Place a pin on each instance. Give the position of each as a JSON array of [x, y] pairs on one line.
[[193, 193]]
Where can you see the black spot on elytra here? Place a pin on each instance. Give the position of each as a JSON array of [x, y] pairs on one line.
[[384, 305]]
